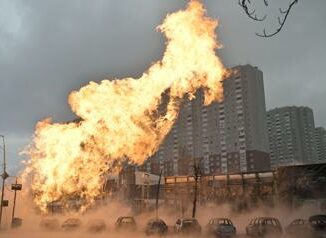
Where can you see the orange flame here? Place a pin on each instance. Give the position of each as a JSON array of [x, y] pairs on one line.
[[122, 118]]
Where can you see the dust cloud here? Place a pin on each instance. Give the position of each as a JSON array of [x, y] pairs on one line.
[[111, 210]]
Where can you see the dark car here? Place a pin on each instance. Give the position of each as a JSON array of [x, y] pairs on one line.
[[50, 224], [16, 222], [126, 224], [264, 226], [71, 224], [221, 227], [96, 225], [318, 225], [187, 226], [156, 227], [298, 228]]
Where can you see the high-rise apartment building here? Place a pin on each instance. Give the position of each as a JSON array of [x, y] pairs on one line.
[[242, 122], [320, 143], [291, 133], [225, 137]]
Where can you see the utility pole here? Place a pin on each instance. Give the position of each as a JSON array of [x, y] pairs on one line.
[[15, 187], [4, 176], [158, 193], [14, 205], [15, 221], [196, 177]]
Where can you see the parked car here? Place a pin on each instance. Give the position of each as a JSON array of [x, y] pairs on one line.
[[71, 224], [96, 225], [318, 225], [263, 226], [126, 224], [16, 222], [187, 226], [156, 227], [221, 227], [50, 224], [298, 228]]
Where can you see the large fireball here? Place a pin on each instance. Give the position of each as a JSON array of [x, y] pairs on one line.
[[125, 118]]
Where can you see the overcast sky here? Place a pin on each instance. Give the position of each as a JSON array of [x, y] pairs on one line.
[[48, 48]]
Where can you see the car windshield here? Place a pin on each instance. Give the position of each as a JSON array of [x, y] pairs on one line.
[[318, 222], [96, 221], [268, 222], [188, 223], [72, 220], [127, 220], [49, 220], [157, 224], [298, 222], [224, 222]]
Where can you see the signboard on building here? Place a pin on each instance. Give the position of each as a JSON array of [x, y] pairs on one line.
[[16, 187], [143, 178], [5, 203]]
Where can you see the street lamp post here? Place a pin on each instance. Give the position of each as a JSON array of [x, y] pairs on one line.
[[4, 176]]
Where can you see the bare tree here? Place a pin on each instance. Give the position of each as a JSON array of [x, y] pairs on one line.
[[245, 4]]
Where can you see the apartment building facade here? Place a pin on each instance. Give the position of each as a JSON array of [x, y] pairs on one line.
[[225, 137], [291, 133], [320, 143]]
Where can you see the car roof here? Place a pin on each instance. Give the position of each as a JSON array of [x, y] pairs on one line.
[[188, 219], [72, 219], [266, 218], [96, 220], [299, 219], [49, 219], [155, 220], [220, 218]]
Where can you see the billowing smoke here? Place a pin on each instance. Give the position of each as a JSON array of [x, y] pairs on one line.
[[124, 118]]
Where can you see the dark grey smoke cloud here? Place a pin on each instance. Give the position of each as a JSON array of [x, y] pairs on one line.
[[48, 48]]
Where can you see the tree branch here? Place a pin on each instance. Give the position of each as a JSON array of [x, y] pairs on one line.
[[281, 20], [251, 15]]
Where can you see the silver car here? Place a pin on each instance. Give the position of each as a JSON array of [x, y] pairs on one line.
[[50, 224], [96, 225], [263, 226], [221, 227], [71, 224], [187, 226]]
